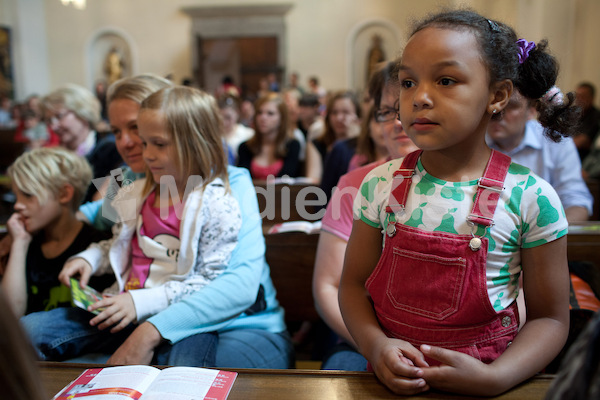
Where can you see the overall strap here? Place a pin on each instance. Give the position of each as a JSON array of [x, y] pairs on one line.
[[402, 180], [490, 187]]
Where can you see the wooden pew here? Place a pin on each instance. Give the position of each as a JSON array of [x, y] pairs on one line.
[[594, 187], [291, 257], [583, 242], [270, 384], [282, 202]]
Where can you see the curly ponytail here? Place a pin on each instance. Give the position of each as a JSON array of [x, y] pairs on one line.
[[533, 75], [535, 79]]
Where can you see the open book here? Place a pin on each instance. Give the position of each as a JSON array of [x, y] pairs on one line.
[[149, 383]]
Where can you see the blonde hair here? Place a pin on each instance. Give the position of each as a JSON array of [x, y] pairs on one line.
[[193, 120], [76, 99], [43, 172], [136, 88]]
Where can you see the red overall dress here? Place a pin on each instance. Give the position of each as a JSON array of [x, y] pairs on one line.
[[430, 287]]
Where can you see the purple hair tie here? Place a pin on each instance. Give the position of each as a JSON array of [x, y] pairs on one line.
[[524, 48]]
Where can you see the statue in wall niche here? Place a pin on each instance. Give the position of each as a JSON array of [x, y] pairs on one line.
[[375, 55], [6, 82], [113, 66]]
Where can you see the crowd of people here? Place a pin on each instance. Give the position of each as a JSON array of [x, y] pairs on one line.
[[444, 222]]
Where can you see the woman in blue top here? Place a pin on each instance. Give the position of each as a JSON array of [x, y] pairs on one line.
[[240, 304]]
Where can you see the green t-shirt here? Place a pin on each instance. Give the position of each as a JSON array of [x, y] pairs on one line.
[[529, 213]]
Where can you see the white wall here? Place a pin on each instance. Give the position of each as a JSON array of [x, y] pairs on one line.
[[27, 21], [317, 34]]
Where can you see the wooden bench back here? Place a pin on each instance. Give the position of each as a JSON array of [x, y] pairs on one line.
[[282, 202], [291, 257], [583, 242], [594, 187]]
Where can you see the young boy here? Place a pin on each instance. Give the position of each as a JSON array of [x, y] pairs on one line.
[[49, 184]]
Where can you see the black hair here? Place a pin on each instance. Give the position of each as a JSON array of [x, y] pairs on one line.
[[589, 86], [535, 76], [309, 100], [384, 75]]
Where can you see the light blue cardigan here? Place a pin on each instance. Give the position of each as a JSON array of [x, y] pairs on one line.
[[221, 305]]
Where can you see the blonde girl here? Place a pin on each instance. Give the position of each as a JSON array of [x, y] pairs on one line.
[[178, 227]]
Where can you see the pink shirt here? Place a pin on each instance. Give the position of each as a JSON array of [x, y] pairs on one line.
[[163, 231], [357, 161], [338, 215], [261, 172]]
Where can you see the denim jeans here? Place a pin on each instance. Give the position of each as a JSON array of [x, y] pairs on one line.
[[241, 348], [344, 357], [195, 351], [65, 332]]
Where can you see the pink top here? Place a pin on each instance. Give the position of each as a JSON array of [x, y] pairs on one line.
[[261, 172], [357, 161], [338, 216], [165, 232]]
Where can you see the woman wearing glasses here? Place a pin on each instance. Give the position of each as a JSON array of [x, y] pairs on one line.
[[371, 145], [337, 222], [73, 112]]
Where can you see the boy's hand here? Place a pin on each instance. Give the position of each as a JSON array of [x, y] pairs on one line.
[[458, 373], [118, 310], [76, 266], [399, 365], [16, 229]]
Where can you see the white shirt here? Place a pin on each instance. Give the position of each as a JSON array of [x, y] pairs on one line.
[[557, 163]]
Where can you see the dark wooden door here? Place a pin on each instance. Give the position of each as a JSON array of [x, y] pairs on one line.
[[257, 57]]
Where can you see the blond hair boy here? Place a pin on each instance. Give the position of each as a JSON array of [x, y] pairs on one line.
[[49, 184]]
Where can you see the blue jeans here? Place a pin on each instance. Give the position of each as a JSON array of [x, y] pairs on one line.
[[64, 333], [196, 351], [242, 348], [344, 357]]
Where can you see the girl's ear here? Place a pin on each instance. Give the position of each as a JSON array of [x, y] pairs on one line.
[[500, 95], [65, 195]]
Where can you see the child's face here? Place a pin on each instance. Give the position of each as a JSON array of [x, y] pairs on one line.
[[445, 89], [31, 122], [35, 216], [123, 115], [160, 154]]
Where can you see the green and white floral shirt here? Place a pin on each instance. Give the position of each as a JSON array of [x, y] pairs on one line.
[[529, 213]]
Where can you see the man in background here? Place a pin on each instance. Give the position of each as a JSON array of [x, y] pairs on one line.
[[519, 135]]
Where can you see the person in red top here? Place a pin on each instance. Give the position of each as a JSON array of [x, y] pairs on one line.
[[272, 151]]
